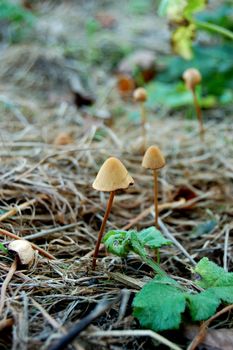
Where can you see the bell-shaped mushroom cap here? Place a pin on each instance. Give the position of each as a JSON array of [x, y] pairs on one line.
[[23, 250], [140, 95], [112, 176], [192, 77], [153, 158]]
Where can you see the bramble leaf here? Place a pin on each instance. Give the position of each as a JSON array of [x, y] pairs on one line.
[[159, 306], [152, 238], [223, 293], [121, 242], [202, 305], [212, 275], [118, 242]]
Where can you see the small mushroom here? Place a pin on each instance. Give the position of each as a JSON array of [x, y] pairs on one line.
[[111, 177], [153, 159], [192, 77], [24, 255], [23, 251], [140, 96]]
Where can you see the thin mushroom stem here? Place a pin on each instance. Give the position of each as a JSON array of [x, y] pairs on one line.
[[199, 114], [143, 125], [6, 282], [100, 235], [156, 197], [156, 209]]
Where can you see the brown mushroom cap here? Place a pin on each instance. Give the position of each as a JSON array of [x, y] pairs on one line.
[[153, 158], [140, 95], [112, 176], [23, 250], [192, 77]]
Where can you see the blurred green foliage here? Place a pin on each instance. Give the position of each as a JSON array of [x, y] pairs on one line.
[[15, 21]]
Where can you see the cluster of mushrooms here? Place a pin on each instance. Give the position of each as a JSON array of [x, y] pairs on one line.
[[113, 176]]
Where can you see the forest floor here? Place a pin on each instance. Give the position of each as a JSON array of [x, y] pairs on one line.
[[64, 213]]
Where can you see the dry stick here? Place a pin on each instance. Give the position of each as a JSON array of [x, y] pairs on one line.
[[204, 327], [135, 333], [101, 307], [199, 115], [6, 282], [34, 246], [106, 215], [16, 209], [176, 243], [226, 248]]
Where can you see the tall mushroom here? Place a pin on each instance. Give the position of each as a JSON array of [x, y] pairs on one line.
[[192, 78], [140, 96], [153, 159], [111, 177]]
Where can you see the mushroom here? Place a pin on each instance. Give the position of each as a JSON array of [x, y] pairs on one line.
[[22, 250], [111, 177], [140, 96], [153, 159], [23, 255], [192, 77]]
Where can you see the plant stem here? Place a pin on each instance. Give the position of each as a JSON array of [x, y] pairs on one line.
[[100, 235], [215, 28], [199, 114], [154, 266], [143, 125]]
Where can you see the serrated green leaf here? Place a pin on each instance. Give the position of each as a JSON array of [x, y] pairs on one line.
[[152, 238], [212, 275], [202, 305], [223, 293], [159, 306]]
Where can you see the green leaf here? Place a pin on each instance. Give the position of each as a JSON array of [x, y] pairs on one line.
[[152, 238], [212, 275], [182, 41], [202, 305], [159, 306], [223, 293], [3, 248], [118, 242], [121, 242], [192, 7], [176, 10]]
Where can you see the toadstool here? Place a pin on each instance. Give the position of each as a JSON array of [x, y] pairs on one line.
[[192, 78], [111, 177], [22, 250], [140, 96], [23, 255], [153, 159]]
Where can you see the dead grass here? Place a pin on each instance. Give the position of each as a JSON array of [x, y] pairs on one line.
[[65, 213]]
